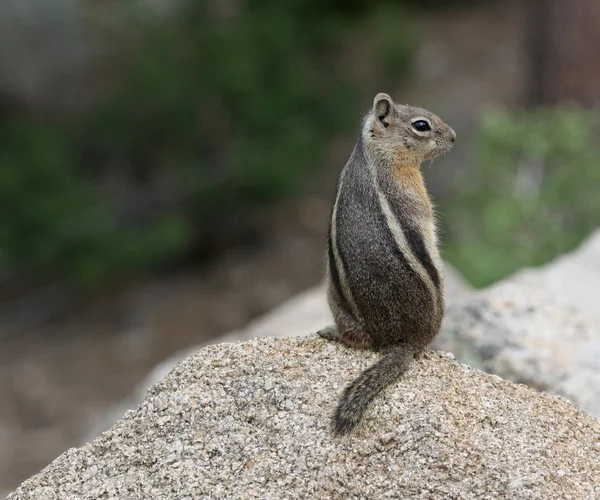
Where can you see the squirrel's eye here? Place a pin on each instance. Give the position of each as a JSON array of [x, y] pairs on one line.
[[421, 126]]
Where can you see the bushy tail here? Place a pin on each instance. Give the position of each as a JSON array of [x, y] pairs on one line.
[[359, 394]]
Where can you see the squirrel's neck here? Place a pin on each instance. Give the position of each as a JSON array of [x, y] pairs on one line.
[[396, 166], [410, 178]]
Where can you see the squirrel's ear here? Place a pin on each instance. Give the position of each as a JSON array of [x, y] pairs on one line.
[[382, 107]]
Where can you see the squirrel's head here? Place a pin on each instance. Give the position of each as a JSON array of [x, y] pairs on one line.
[[403, 134]]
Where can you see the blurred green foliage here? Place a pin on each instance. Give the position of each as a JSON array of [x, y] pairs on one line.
[[215, 114], [532, 194]]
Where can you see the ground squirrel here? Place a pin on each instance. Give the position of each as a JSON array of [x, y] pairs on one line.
[[385, 274]]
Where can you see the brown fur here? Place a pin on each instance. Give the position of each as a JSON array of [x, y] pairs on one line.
[[411, 178], [385, 274]]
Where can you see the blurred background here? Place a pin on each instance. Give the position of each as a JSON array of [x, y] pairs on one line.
[[167, 169]]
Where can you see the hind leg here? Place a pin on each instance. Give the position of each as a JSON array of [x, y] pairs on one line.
[[347, 330]]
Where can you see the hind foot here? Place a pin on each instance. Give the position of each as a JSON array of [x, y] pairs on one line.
[[350, 334], [330, 332]]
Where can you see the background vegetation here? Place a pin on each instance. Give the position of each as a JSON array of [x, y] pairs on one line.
[[212, 115], [532, 195], [200, 115]]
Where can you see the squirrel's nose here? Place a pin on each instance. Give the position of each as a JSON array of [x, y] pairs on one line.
[[452, 135]]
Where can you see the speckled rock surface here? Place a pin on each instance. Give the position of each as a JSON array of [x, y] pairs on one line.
[[249, 420]]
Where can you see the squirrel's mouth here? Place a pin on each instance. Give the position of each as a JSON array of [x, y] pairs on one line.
[[440, 148]]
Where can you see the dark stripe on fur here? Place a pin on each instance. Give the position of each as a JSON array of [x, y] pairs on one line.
[[391, 243], [335, 277], [410, 275], [416, 244], [357, 155]]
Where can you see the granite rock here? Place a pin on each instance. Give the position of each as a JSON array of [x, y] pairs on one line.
[[250, 420]]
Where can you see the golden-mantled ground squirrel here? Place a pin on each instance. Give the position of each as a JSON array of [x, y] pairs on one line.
[[385, 274]]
